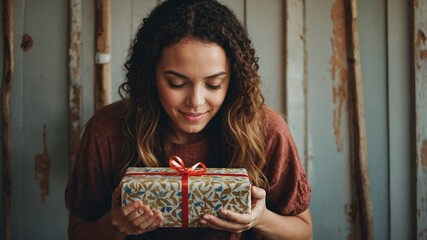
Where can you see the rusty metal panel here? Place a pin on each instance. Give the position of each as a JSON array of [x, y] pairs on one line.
[[5, 116], [17, 227], [373, 42], [103, 53], [359, 164], [327, 113], [75, 78], [87, 59], [45, 103], [121, 23], [140, 10], [420, 74], [269, 46], [400, 120], [238, 7], [295, 95], [125, 20], [17, 212]]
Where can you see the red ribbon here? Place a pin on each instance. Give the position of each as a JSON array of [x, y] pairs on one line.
[[178, 165]]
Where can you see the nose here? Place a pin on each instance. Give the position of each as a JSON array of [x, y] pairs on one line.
[[196, 97]]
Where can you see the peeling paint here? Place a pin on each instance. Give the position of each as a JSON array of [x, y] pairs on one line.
[[419, 54], [305, 84], [75, 84], [420, 39], [348, 211], [74, 118], [42, 168], [338, 68], [27, 42], [424, 155]]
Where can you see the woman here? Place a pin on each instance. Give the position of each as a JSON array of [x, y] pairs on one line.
[[192, 90]]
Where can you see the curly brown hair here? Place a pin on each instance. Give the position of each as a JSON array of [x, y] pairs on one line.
[[236, 131]]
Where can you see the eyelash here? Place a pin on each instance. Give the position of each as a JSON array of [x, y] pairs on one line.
[[214, 87], [178, 86]]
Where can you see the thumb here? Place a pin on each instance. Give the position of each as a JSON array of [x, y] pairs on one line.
[[258, 198], [257, 193]]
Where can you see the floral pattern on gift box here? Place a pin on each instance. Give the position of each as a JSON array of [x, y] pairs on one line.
[[218, 188]]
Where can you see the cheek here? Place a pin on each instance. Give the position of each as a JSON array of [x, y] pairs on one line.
[[169, 98], [164, 96], [217, 99]]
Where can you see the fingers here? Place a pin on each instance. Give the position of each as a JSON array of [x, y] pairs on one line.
[[136, 218], [147, 222], [231, 216], [236, 222], [137, 212], [126, 211]]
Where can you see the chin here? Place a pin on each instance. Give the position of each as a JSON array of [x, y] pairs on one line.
[[193, 130]]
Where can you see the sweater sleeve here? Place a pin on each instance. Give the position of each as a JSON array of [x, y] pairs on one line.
[[86, 194], [91, 183], [288, 192]]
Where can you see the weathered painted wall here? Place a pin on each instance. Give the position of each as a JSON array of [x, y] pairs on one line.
[[303, 62], [400, 122], [419, 53]]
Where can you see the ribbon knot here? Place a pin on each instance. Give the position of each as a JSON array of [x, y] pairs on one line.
[[178, 165]]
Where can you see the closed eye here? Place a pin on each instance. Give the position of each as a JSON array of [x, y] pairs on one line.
[[215, 82], [214, 87], [176, 85]]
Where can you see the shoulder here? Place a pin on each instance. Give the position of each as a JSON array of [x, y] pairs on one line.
[[273, 122], [278, 138], [108, 120], [289, 192]]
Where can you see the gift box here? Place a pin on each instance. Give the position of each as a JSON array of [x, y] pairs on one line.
[[183, 194]]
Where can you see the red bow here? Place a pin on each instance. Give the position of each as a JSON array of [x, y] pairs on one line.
[[178, 165]]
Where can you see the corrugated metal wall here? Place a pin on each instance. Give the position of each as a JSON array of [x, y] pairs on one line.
[[302, 46]]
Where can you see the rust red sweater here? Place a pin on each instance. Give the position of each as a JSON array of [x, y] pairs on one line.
[[88, 193]]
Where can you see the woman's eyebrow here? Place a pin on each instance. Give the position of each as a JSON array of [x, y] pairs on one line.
[[177, 74], [215, 75]]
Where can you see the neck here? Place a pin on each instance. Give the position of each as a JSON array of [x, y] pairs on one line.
[[186, 138]]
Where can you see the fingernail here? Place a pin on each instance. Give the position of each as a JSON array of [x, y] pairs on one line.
[[203, 222]]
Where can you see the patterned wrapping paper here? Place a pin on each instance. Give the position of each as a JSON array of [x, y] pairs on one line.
[[208, 192]]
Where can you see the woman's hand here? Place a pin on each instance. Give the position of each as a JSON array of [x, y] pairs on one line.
[[236, 222], [135, 218]]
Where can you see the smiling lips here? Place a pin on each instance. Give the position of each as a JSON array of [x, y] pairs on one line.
[[193, 117]]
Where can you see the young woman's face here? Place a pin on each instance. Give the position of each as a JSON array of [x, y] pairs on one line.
[[192, 79]]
